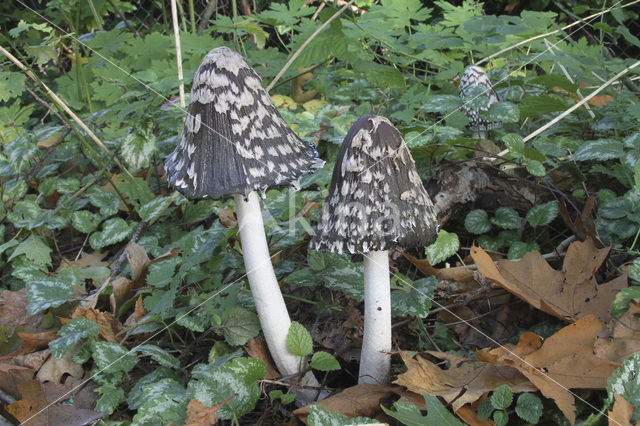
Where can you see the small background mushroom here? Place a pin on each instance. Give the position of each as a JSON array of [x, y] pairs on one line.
[[475, 88]]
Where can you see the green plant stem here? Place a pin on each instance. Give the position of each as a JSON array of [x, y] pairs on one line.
[[96, 17], [192, 17]]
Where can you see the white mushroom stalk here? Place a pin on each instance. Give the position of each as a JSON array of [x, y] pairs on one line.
[[475, 77], [376, 202], [234, 142]]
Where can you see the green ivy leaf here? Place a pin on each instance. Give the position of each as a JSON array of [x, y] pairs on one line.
[[152, 210], [477, 222], [536, 168], [110, 399], [113, 231], [239, 326], [71, 333], [502, 398], [106, 201], [161, 273], [324, 361], [514, 143], [445, 246], [49, 292], [299, 340], [518, 249], [158, 354], [506, 218], [542, 214], [600, 149], [113, 358], [35, 250], [320, 416], [502, 111], [417, 301], [85, 221], [529, 407], [139, 145]]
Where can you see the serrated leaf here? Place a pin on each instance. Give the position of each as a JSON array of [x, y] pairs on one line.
[[218, 383], [506, 218], [48, 292], [477, 222], [536, 168], [542, 214], [162, 409], [285, 398], [600, 149], [113, 231], [71, 333], [35, 250], [139, 145], [437, 415], [441, 103], [106, 201], [416, 302], [542, 104], [485, 409], [161, 273], [11, 85], [192, 323], [445, 246], [320, 416], [502, 111], [110, 399], [152, 210], [299, 340], [518, 249], [239, 326], [158, 354], [514, 143], [113, 358], [85, 221], [500, 418], [529, 407], [161, 381], [502, 398], [324, 361]]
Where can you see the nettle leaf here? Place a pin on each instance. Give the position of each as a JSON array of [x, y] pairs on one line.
[[113, 231], [49, 292], [11, 85], [320, 416], [85, 221], [71, 333], [111, 397], [477, 222], [514, 143], [139, 146], [500, 418], [161, 273], [529, 407], [197, 323], [600, 149], [542, 214], [324, 361], [416, 302], [502, 398], [218, 383], [542, 104], [158, 354], [502, 111], [518, 249], [153, 208], [35, 250], [485, 409], [299, 340], [113, 358], [506, 218], [625, 381], [239, 326], [446, 245]]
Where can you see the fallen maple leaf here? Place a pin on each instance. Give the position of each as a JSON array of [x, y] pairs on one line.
[[464, 382], [11, 376], [624, 336], [13, 310], [621, 413], [569, 294]]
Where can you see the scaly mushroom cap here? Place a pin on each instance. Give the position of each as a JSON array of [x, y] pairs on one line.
[[376, 199], [234, 141], [475, 76]]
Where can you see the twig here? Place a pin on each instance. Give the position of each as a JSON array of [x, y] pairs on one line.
[[566, 27], [576, 106], [115, 269], [212, 6], [64, 106], [306, 43], [115, 7], [45, 104], [176, 33]]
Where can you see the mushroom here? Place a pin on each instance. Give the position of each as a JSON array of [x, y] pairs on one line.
[[475, 76], [376, 202], [234, 142]]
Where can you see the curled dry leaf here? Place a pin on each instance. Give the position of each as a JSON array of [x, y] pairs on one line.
[[569, 294], [199, 414], [362, 400], [621, 413], [53, 369], [11, 376], [257, 349], [108, 326], [464, 382], [458, 273], [32, 342]]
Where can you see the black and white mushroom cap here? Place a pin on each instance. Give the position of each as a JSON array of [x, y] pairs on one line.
[[475, 76], [234, 141], [376, 199]]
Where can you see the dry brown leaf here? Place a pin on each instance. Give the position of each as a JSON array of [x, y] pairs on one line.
[[624, 336], [137, 258], [32, 342], [53, 369], [86, 260], [33, 360], [40, 406], [11, 376], [569, 294], [108, 326], [362, 400], [139, 311], [258, 350], [227, 218], [468, 415], [621, 413], [459, 273], [13, 310], [463, 383], [199, 414]]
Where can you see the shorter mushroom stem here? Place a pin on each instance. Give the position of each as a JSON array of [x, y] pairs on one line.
[[375, 362], [268, 299]]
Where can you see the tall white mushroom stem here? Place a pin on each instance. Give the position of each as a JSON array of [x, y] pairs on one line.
[[268, 299], [375, 362]]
